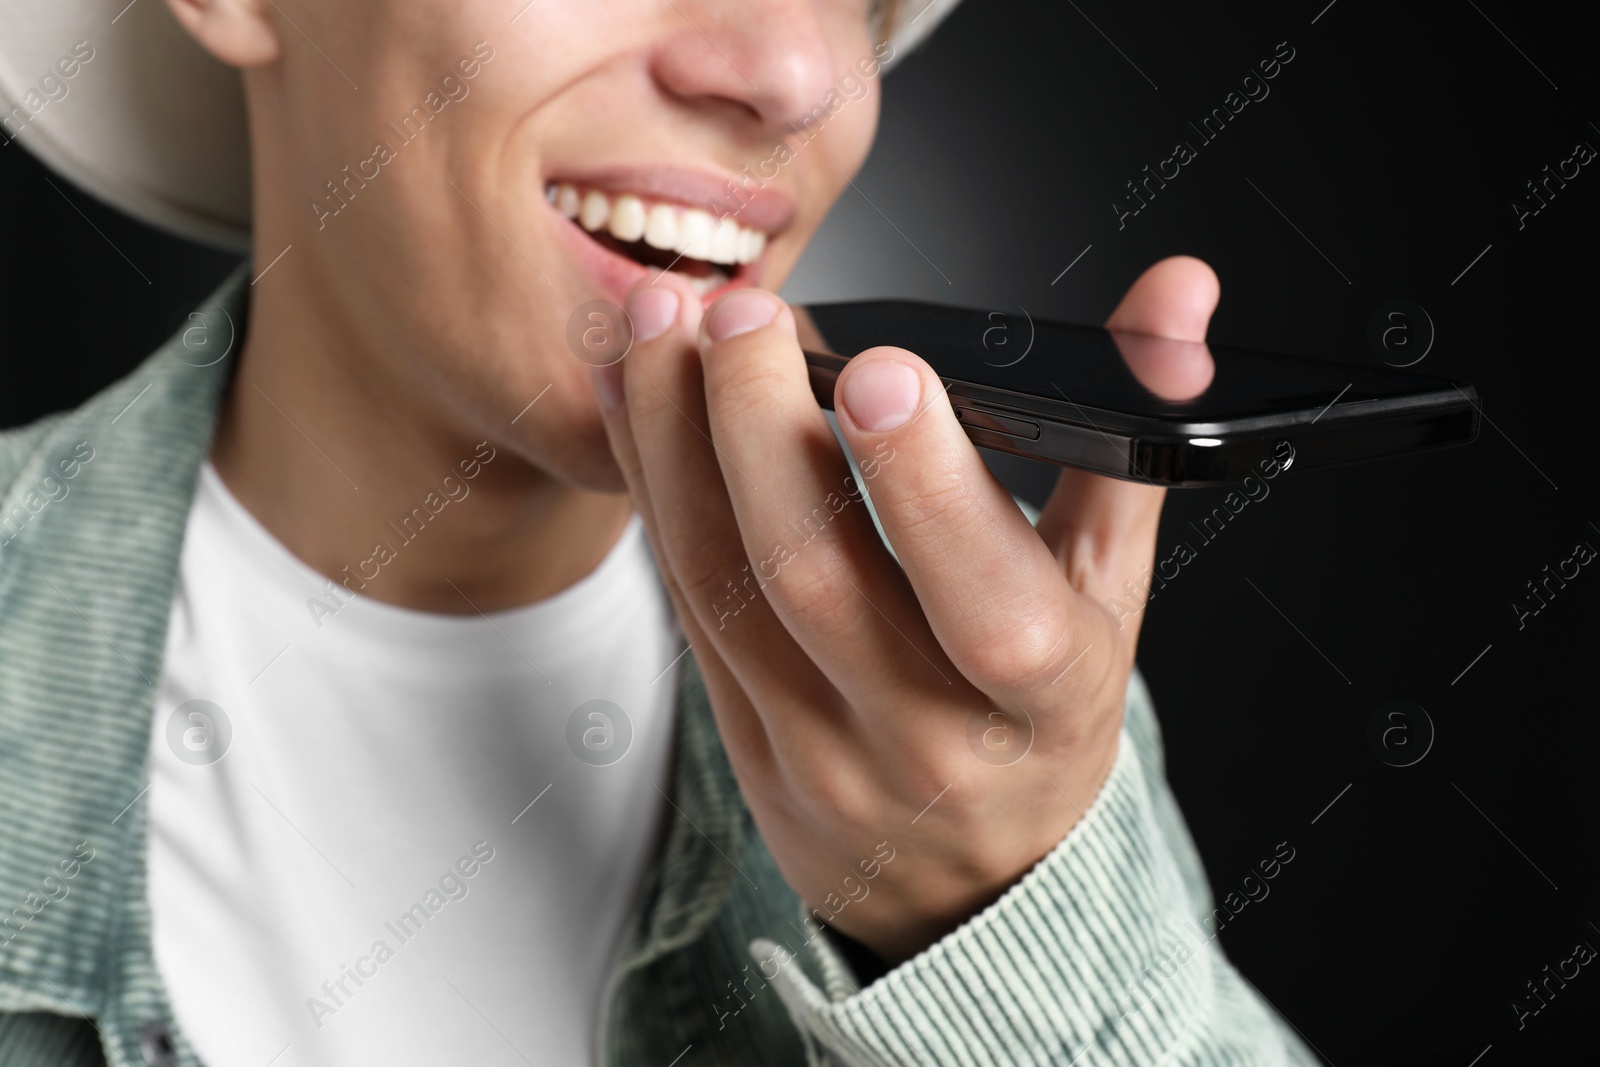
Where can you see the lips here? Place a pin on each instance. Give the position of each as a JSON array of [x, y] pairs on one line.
[[629, 224]]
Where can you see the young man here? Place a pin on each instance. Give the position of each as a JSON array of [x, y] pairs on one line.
[[381, 682]]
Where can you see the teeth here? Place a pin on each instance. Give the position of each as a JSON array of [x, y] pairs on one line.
[[627, 218], [661, 227], [689, 231], [725, 242], [751, 242], [596, 210], [704, 285], [694, 233], [567, 201]]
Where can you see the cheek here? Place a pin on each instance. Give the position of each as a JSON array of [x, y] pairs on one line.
[[855, 128], [820, 172]]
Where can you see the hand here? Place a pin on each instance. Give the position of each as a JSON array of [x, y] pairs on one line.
[[845, 688]]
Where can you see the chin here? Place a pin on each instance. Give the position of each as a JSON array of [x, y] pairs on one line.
[[569, 443]]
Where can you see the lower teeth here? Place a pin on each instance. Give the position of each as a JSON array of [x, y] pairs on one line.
[[704, 284], [703, 277]]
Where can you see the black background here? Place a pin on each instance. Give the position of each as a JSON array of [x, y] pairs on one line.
[[1419, 903]]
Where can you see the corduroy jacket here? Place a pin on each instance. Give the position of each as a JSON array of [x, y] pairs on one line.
[[1103, 953]]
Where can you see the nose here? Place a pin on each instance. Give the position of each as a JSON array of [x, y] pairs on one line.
[[769, 58]]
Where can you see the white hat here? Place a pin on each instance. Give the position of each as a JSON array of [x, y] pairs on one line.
[[122, 101]]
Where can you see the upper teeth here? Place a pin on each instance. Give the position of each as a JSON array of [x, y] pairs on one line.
[[687, 231]]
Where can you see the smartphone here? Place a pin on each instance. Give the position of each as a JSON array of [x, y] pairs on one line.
[[1145, 409]]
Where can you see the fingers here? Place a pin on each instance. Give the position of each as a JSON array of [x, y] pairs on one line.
[[991, 590], [696, 531], [655, 328], [1104, 529], [664, 320], [802, 515]]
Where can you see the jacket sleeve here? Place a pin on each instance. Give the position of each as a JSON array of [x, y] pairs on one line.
[[1100, 954]]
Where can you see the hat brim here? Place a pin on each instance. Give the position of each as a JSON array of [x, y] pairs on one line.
[[129, 107]]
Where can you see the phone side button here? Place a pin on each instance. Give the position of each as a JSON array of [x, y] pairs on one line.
[[1028, 431]]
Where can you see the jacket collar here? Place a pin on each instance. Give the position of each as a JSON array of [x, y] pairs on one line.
[[86, 585]]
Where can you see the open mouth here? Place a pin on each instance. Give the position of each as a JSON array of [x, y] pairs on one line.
[[661, 234]]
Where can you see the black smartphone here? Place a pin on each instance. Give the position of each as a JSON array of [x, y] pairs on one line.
[[1146, 409]]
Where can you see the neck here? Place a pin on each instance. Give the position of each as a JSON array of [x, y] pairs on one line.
[[368, 475]]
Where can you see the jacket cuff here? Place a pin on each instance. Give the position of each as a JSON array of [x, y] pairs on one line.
[[1094, 947]]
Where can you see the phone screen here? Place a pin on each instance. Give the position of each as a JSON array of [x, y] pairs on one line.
[[1095, 368]]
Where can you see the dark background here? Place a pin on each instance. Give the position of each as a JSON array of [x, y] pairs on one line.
[[1419, 904]]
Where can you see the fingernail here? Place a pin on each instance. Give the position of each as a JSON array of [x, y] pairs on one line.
[[651, 311], [882, 394], [608, 386], [741, 311]]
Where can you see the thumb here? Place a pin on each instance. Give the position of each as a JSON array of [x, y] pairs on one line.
[[1103, 530]]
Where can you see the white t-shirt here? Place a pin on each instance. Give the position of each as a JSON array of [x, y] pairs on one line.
[[420, 840]]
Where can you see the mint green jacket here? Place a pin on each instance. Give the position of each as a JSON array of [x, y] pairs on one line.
[[1104, 953]]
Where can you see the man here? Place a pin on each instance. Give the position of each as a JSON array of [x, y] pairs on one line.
[[381, 682]]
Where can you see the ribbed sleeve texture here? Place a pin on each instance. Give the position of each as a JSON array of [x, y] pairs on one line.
[[1094, 957]]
